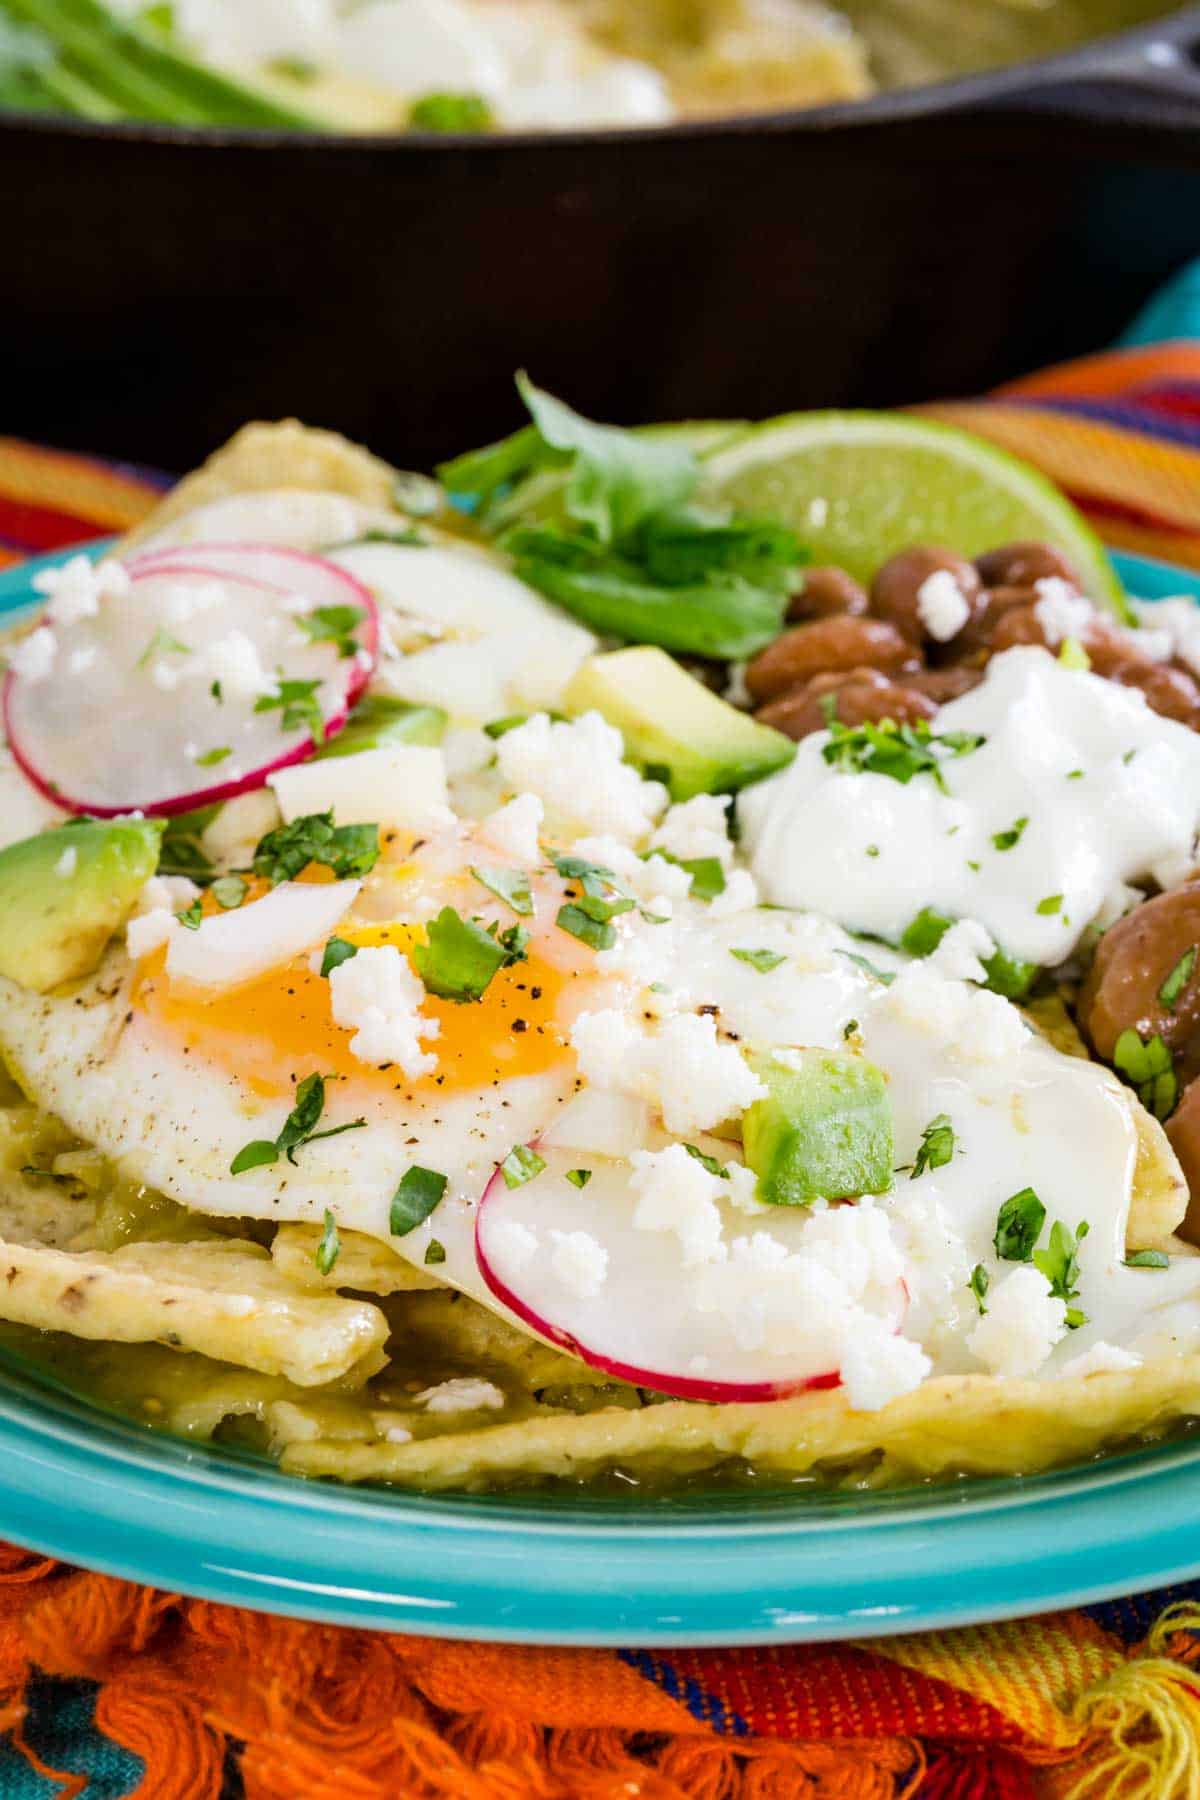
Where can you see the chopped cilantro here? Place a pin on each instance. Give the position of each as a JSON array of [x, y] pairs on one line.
[[191, 916], [926, 932], [435, 1252], [509, 885], [218, 693], [1059, 1263], [1148, 1259], [451, 113], [521, 1165], [708, 1162], [419, 1192], [979, 1284], [297, 703], [182, 852], [872, 849], [1074, 774], [1019, 1226], [162, 644], [337, 951], [498, 728], [1008, 840], [762, 960], [298, 1129], [333, 625], [849, 1028], [579, 1177], [459, 957], [869, 968], [937, 1146], [596, 934], [229, 891], [349, 850], [211, 758], [330, 1246], [514, 942], [1050, 905], [899, 751], [1172, 988], [1149, 1067]]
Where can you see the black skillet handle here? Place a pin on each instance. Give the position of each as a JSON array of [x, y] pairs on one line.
[[1147, 82]]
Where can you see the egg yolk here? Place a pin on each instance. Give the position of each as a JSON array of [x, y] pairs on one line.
[[270, 1031]]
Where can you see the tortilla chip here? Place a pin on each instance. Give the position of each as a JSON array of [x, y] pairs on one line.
[[953, 1425], [224, 1299], [363, 1263], [259, 457]]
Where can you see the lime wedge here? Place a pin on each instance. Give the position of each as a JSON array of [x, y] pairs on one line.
[[858, 486]]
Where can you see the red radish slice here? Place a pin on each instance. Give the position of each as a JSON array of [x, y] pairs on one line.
[[151, 704], [643, 1323]]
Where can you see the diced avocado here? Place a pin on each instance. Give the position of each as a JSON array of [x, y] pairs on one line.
[[64, 894], [823, 1131], [672, 723], [378, 723], [1006, 975]]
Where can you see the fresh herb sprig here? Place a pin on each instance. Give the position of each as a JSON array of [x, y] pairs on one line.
[[901, 752], [299, 1129]]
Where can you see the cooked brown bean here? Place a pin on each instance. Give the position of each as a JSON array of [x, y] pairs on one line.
[[1171, 692], [1019, 565], [897, 584], [941, 685], [1183, 1131], [861, 697], [828, 591], [1133, 961], [1107, 649], [836, 643]]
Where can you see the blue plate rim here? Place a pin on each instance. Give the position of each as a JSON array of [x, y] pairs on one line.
[[97, 1490]]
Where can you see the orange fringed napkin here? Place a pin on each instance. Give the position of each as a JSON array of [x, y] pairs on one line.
[[150, 1695]]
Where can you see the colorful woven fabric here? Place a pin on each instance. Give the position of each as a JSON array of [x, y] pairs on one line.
[[109, 1691]]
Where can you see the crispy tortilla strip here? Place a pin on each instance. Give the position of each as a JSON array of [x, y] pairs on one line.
[[363, 1264], [449, 1330], [967, 1424], [225, 1300], [286, 455]]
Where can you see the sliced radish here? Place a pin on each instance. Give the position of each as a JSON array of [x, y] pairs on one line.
[[150, 704], [650, 1319]]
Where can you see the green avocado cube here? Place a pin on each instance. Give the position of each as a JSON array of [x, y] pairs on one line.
[[823, 1131], [674, 725], [378, 723], [65, 893]]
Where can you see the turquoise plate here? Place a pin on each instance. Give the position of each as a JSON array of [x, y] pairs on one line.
[[785, 1566]]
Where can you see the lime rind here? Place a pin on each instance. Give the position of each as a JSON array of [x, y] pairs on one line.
[[877, 482]]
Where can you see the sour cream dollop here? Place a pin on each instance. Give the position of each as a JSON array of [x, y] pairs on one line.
[[1077, 787]]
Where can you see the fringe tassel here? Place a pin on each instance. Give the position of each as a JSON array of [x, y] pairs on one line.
[[1143, 1723]]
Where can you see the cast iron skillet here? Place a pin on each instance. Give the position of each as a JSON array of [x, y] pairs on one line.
[[161, 286]]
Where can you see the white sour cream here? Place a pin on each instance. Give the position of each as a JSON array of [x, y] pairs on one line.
[[1109, 790]]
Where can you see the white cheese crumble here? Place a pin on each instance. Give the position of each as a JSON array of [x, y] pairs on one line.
[[879, 1365], [1179, 621], [76, 588], [961, 953], [170, 892], [942, 607], [67, 863], [233, 660], [696, 828], [739, 895], [973, 1024], [576, 769], [33, 658], [693, 1080], [580, 1262], [514, 829], [676, 1193], [148, 931], [514, 1243], [1101, 1359], [1060, 610], [462, 1393], [377, 995], [657, 883], [1022, 1324]]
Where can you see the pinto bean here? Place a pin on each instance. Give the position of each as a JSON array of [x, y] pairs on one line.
[[837, 643], [1020, 565], [1183, 1133], [861, 697], [828, 591], [978, 633], [1133, 959], [895, 589], [1171, 692], [941, 685]]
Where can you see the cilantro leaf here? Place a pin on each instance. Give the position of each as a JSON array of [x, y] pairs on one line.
[[597, 934], [1150, 1068], [1019, 1226], [191, 916], [521, 1165], [451, 113], [349, 850], [330, 1246], [1171, 991], [297, 703], [1148, 1259], [211, 758], [869, 968], [420, 1190], [435, 1252], [182, 852], [333, 625], [1005, 974], [337, 951], [1008, 840], [299, 1128], [514, 942], [1051, 904], [509, 885], [579, 1177], [899, 751], [162, 644], [708, 1162], [707, 872], [1059, 1263], [979, 1284], [762, 960], [459, 958], [937, 1146], [926, 932]]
